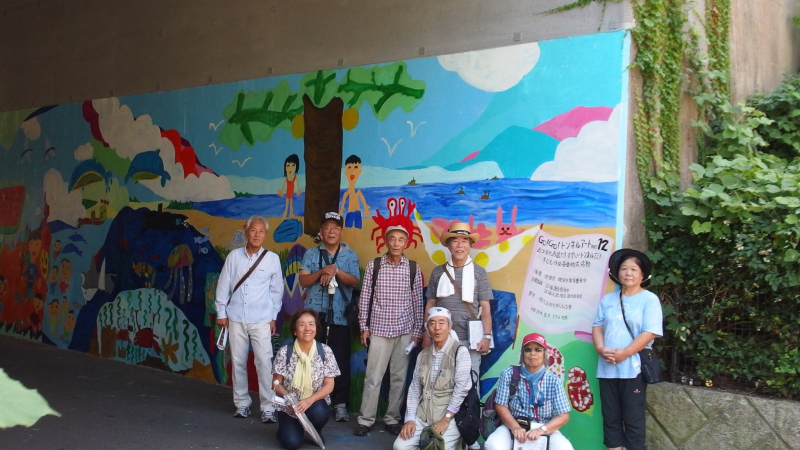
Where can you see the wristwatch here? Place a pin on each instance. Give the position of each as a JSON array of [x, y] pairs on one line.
[[543, 428], [488, 336], [276, 382], [449, 415]]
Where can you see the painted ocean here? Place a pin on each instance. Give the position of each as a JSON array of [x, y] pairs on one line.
[[577, 204]]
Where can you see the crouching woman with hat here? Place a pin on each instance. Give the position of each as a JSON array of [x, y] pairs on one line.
[[539, 406], [627, 321]]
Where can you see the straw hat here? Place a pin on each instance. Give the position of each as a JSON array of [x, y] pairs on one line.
[[458, 229]]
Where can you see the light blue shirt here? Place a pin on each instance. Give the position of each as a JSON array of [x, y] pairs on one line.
[[259, 298], [317, 297], [643, 312]]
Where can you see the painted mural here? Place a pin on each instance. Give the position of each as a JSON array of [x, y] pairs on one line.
[[117, 213]]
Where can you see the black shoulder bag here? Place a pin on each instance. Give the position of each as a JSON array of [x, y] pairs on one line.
[[651, 367]]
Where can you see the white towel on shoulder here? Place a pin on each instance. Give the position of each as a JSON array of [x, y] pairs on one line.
[[445, 288]]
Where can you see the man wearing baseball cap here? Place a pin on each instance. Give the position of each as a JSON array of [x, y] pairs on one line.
[[390, 317], [329, 272], [539, 406], [440, 384]]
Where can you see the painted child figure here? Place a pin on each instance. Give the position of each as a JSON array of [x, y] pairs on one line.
[[291, 184], [352, 171]]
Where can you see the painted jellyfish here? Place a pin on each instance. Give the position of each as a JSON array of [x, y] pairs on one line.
[[180, 257]]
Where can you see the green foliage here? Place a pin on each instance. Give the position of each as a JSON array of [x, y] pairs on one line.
[[222, 251], [384, 88], [242, 194], [180, 205], [255, 116], [727, 247], [578, 4]]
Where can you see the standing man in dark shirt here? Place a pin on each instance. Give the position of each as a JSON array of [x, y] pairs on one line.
[[329, 273]]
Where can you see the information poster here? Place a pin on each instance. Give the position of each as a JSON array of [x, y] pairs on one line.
[[565, 280]]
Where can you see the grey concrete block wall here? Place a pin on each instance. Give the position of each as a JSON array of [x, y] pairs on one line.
[[57, 51], [683, 417]]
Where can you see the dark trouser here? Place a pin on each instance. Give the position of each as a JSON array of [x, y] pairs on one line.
[[624, 401], [290, 430], [338, 339]]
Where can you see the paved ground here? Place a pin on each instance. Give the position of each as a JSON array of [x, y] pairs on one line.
[[108, 404]]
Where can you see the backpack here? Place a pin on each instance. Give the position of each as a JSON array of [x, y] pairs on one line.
[[468, 417], [290, 350], [490, 420], [352, 311]]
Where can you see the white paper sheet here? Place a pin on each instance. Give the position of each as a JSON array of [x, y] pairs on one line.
[[476, 333]]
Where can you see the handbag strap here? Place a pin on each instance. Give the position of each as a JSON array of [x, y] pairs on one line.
[[622, 307], [467, 305], [376, 266], [323, 254], [249, 271]]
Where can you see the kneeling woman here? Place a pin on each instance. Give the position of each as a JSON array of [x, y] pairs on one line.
[[308, 374], [539, 406]]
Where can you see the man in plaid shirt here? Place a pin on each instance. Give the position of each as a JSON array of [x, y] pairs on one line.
[[395, 321]]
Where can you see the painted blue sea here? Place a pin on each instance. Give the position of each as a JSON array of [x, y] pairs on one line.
[[577, 204]]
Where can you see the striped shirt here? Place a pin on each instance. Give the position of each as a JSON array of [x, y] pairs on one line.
[[463, 380], [396, 309], [259, 298], [555, 403]]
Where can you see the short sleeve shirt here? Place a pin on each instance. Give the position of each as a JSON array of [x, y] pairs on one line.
[[555, 403], [457, 308], [317, 297], [319, 371], [643, 312]]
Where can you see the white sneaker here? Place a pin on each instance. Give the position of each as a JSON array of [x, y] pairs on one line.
[[242, 412], [268, 417], [475, 445], [340, 413]]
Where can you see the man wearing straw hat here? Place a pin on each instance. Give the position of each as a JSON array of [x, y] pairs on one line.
[[463, 287]]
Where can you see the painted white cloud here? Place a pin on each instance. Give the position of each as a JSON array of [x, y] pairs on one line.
[[493, 70], [130, 136], [32, 129], [591, 156], [64, 205], [84, 152]]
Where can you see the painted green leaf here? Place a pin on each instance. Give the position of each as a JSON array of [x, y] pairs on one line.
[[20, 405], [383, 88], [254, 116]]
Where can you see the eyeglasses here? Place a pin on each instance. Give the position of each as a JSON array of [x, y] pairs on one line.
[[533, 349], [331, 228]]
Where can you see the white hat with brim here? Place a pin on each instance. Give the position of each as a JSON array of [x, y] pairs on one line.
[[458, 229], [395, 227]]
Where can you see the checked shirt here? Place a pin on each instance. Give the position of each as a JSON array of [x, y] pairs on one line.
[[555, 402], [396, 309]]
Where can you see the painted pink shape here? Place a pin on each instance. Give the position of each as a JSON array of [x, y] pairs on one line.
[[570, 123], [470, 156], [583, 336], [507, 230], [439, 225]]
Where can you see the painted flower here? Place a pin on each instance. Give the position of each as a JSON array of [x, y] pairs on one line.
[[169, 349]]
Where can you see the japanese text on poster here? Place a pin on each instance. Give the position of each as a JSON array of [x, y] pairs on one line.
[[565, 281]]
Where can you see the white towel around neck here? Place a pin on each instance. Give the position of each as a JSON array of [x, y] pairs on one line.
[[445, 288]]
